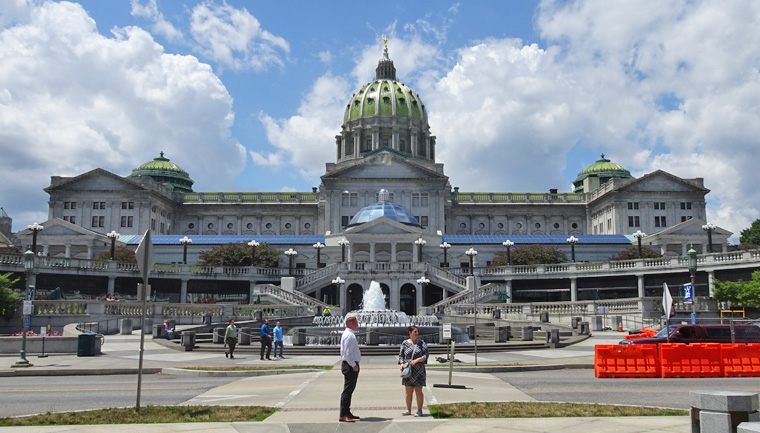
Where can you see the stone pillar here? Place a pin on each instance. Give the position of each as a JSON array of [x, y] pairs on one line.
[[711, 282], [251, 291], [393, 252], [111, 284], [419, 297], [183, 291], [573, 289], [288, 284], [509, 291], [372, 252], [67, 254], [395, 294], [342, 296], [722, 411], [89, 252], [640, 282]]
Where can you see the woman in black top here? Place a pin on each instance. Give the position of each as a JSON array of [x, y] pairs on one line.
[[414, 351]]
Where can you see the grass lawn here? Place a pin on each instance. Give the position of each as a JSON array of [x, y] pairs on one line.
[[517, 409], [147, 415]]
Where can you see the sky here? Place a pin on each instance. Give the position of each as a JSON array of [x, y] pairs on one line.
[[249, 95]]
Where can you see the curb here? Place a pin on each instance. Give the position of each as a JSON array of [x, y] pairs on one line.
[[241, 373], [75, 372]]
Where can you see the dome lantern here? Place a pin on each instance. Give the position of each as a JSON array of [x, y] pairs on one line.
[[166, 173]]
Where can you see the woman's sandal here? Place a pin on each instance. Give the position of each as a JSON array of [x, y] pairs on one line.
[[407, 413]]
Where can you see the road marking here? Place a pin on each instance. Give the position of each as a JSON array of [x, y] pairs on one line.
[[217, 397], [432, 398], [298, 390]]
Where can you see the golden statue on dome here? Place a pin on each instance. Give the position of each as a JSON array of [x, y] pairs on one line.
[[385, 42]]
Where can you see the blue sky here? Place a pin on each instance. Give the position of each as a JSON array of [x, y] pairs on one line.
[[248, 96]]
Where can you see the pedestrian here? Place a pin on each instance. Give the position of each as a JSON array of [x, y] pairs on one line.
[[350, 356], [326, 311], [414, 351], [230, 339], [169, 332], [278, 340], [266, 339]]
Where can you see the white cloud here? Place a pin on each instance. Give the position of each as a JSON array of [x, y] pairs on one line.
[[234, 38], [160, 24], [303, 141], [72, 100]]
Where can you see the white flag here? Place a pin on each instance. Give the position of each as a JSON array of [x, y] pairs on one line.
[[667, 300]]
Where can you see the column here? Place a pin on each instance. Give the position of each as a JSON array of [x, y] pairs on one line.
[[393, 252], [419, 298], [89, 252], [395, 294], [641, 286], [573, 289], [684, 249], [509, 291], [372, 252], [342, 295], [415, 256], [111, 284], [183, 291], [67, 254], [711, 282], [46, 250], [220, 225]]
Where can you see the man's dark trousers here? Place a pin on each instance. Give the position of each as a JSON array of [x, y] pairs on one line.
[[349, 384], [266, 342]]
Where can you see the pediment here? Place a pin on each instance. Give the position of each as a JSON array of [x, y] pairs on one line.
[[59, 227], [661, 181], [383, 226], [96, 180], [384, 165], [692, 228]]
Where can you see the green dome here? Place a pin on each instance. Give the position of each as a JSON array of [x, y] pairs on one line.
[[604, 169], [385, 97], [165, 172]]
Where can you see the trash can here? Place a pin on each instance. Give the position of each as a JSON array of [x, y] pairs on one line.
[[527, 333], [188, 340], [244, 336], [299, 337], [544, 316], [501, 334], [86, 344], [496, 314], [218, 335]]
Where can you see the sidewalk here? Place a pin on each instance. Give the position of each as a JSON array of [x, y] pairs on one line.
[[308, 400]]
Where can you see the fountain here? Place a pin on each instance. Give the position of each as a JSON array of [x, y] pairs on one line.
[[389, 325]]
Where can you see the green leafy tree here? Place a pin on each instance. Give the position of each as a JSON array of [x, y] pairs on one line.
[[531, 255], [240, 255], [9, 299], [120, 254], [740, 293], [750, 237], [633, 253]]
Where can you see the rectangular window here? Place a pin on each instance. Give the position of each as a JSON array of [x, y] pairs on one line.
[[685, 206], [385, 142], [344, 221], [659, 221], [152, 223], [127, 205], [423, 221], [685, 218], [96, 205], [659, 205], [402, 145], [633, 206], [349, 199], [609, 224], [67, 205], [66, 219], [73, 219], [126, 221], [420, 199], [162, 228]]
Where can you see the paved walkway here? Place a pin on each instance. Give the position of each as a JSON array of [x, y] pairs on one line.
[[308, 400]]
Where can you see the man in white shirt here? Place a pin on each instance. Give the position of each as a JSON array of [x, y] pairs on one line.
[[349, 366]]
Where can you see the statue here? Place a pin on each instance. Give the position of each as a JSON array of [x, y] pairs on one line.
[[385, 42]]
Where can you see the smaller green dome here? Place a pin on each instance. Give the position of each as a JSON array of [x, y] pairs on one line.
[[165, 172], [604, 169]]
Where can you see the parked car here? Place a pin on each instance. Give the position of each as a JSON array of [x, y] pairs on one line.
[[701, 334]]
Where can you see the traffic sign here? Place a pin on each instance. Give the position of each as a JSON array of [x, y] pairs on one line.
[[27, 308], [27, 322], [446, 331], [30, 293], [687, 293]]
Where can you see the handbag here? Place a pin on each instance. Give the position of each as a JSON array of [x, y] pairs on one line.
[[406, 372]]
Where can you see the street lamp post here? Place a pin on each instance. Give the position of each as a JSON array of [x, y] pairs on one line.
[[693, 273], [422, 281], [471, 253], [253, 244], [445, 247], [572, 240], [343, 244], [185, 241], [639, 235], [113, 236], [318, 246], [291, 253], [29, 270], [420, 243], [338, 281], [35, 228], [509, 245], [709, 227]]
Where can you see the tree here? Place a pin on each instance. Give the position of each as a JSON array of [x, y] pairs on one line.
[[530, 255], [633, 253], [739, 293], [9, 299], [120, 254], [240, 255], [750, 237]]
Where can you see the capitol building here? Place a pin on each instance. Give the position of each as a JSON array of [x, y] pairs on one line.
[[384, 209]]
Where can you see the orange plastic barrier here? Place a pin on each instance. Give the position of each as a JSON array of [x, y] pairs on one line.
[[614, 360], [740, 360], [693, 360], [644, 334]]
